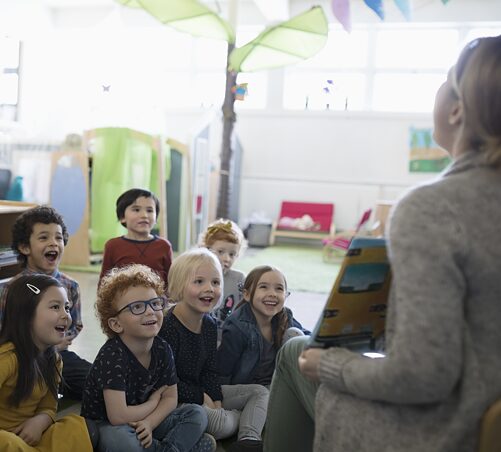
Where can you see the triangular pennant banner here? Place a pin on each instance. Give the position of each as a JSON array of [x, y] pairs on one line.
[[405, 8], [341, 10], [376, 6]]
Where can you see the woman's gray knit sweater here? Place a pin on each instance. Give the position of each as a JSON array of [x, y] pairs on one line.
[[443, 363]]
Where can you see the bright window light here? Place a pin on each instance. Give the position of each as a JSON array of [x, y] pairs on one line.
[[9, 77], [342, 50], [406, 92], [313, 91], [208, 90], [177, 90], [9, 52], [210, 54], [482, 33], [417, 49], [246, 34], [8, 89], [175, 50]]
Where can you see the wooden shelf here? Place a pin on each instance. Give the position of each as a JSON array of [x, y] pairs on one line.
[[9, 211]]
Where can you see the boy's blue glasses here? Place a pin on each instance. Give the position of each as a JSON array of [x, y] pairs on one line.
[[139, 307]]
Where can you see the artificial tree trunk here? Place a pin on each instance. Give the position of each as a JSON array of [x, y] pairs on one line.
[[229, 118]]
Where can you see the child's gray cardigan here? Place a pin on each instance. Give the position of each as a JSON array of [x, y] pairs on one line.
[[443, 364]]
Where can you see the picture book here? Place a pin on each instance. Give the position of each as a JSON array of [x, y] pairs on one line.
[[356, 307]]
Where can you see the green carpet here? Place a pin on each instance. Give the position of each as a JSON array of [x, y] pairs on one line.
[[302, 266], [78, 268]]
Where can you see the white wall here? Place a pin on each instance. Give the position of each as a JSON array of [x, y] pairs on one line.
[[350, 159]]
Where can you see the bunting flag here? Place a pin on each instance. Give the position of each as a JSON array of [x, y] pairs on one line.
[[376, 6], [341, 10], [405, 8]]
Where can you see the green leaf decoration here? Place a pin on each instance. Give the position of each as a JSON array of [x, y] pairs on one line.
[[189, 16], [291, 41]]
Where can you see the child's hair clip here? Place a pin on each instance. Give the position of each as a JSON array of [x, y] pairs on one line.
[[33, 288]]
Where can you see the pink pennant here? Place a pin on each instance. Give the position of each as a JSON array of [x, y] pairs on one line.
[[341, 10], [405, 8]]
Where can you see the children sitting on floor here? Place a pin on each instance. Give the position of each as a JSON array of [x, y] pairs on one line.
[[131, 392], [195, 287], [255, 331], [137, 210], [36, 318], [39, 236]]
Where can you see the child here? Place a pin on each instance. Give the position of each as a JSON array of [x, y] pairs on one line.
[[225, 239], [35, 320], [39, 236], [195, 286], [256, 330], [137, 210], [131, 391]]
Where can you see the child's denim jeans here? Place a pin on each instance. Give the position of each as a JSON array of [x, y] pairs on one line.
[[178, 432]]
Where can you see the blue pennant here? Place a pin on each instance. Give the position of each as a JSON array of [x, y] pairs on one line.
[[376, 6], [405, 8]]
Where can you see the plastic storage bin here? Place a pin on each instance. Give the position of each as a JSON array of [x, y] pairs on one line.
[[258, 235]]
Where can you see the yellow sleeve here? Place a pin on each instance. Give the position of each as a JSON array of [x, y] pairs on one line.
[[48, 403], [8, 366]]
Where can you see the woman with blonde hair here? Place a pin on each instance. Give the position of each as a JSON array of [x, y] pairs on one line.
[[442, 364]]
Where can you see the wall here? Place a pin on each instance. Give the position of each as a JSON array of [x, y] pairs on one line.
[[352, 160]]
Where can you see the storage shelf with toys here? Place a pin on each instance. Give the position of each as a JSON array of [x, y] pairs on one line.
[[9, 211]]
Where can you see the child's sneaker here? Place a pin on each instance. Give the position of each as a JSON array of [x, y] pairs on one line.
[[206, 443]]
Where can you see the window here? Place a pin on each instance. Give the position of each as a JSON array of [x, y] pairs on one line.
[[324, 91], [417, 49], [9, 77], [342, 50], [384, 67], [405, 92], [410, 65], [334, 79]]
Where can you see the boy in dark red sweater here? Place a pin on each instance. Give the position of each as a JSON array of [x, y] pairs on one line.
[[137, 210]]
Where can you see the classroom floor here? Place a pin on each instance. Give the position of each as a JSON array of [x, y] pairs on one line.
[[305, 305]]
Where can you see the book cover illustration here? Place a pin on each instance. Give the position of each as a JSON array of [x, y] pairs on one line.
[[356, 307]]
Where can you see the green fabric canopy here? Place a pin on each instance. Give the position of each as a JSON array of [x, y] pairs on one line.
[[288, 42], [122, 159], [189, 16]]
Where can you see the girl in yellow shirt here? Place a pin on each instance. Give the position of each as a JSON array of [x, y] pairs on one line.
[[36, 320]]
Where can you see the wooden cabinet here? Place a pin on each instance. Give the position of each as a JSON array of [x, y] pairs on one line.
[[9, 211]]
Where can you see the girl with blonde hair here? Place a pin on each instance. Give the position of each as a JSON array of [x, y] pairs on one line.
[[195, 279]]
